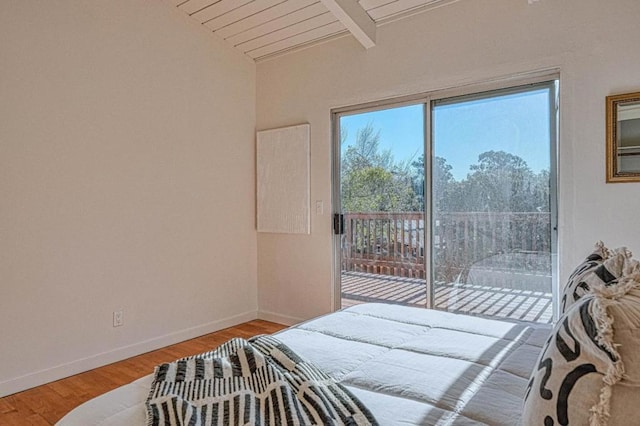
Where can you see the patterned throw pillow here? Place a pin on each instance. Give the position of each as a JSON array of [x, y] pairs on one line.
[[605, 274], [571, 381], [580, 378], [574, 288]]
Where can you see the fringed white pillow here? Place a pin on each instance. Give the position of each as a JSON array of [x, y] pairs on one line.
[[623, 307], [580, 378]]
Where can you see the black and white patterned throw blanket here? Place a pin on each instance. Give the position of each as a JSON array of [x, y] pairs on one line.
[[255, 382]]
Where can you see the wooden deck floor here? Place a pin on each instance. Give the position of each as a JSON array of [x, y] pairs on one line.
[[524, 305]]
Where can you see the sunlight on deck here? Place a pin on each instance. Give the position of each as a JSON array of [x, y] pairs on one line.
[[508, 303]]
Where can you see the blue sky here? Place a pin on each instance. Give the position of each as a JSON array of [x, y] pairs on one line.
[[516, 123]]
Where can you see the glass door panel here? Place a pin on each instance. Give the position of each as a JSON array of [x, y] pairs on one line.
[[491, 210], [381, 187]]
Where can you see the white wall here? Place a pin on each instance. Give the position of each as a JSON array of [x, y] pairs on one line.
[[126, 182], [593, 42]]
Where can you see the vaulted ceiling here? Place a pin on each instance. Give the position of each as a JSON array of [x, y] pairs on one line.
[[264, 28]]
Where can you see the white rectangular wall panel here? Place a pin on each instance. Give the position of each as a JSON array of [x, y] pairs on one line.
[[283, 180]]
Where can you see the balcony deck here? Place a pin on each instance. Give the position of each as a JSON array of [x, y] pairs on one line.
[[507, 303]]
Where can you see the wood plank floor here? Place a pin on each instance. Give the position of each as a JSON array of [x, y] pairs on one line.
[[507, 303], [47, 404]]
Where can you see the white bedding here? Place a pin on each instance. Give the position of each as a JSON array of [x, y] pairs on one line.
[[407, 365]]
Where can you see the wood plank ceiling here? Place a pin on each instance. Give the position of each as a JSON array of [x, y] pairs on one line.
[[264, 28]]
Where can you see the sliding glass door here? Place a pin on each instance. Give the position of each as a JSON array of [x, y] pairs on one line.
[[472, 228], [382, 206], [491, 210]]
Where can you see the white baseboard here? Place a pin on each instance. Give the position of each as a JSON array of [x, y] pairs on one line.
[[41, 377], [279, 318]]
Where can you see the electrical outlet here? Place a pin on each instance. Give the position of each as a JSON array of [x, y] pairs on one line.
[[118, 318]]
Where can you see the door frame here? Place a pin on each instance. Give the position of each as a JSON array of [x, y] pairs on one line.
[[551, 76]]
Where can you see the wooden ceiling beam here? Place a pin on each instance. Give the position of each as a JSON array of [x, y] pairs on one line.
[[355, 18]]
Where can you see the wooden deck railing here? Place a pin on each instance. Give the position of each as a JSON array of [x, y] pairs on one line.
[[393, 243]]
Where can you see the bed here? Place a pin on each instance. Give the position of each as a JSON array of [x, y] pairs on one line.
[[408, 366]]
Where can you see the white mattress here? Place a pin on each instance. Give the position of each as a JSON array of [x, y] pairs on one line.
[[407, 365]]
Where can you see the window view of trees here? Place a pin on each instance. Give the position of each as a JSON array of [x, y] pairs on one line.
[[501, 206], [373, 181]]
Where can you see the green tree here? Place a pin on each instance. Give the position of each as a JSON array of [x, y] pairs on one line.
[[500, 181], [442, 182], [372, 180], [541, 191]]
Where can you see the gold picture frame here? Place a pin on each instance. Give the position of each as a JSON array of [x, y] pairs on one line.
[[623, 138]]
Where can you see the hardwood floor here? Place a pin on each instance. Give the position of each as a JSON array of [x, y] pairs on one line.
[[47, 404]]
